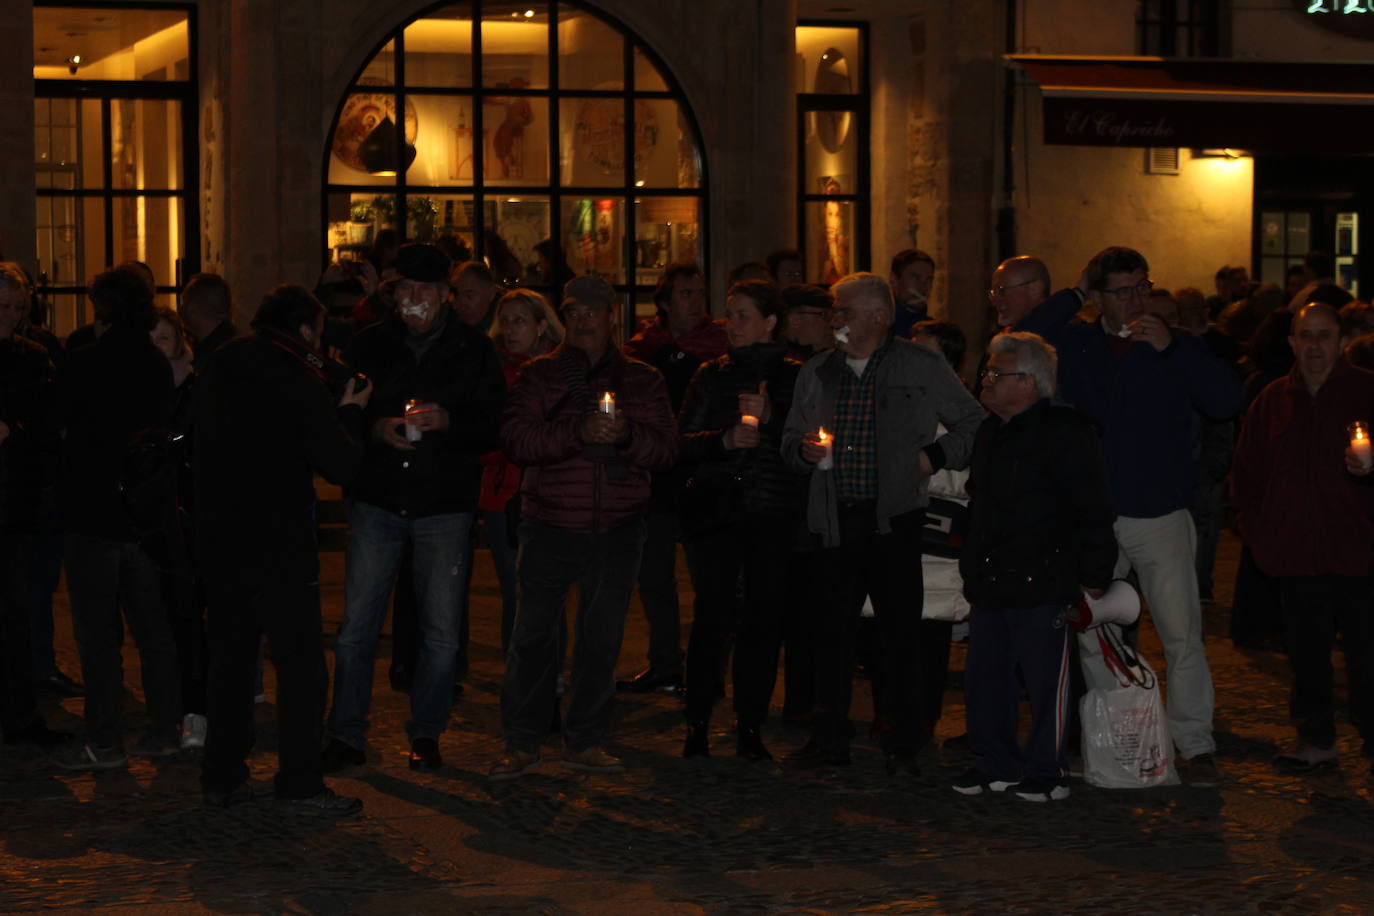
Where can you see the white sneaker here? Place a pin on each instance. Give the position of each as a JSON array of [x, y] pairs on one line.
[[193, 729]]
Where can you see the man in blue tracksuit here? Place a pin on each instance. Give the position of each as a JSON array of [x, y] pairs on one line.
[[1141, 381]]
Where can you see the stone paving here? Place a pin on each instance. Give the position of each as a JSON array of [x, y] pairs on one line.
[[714, 835]]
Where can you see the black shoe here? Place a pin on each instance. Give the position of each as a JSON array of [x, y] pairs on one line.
[[37, 734], [424, 754], [60, 684], [325, 804], [696, 744], [338, 755], [650, 681], [811, 756], [219, 798], [749, 745], [899, 762]]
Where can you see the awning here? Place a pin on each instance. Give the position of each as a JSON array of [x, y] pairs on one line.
[[1264, 106]]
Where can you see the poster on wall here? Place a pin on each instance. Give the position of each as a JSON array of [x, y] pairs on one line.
[[362, 113], [600, 133], [504, 121], [833, 256]]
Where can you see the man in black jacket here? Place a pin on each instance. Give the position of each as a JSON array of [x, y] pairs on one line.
[[1040, 534], [438, 404], [109, 392], [265, 423]]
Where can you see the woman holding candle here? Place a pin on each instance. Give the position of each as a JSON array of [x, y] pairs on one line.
[[739, 516]]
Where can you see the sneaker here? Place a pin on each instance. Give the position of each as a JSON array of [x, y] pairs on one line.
[[1306, 758], [324, 804], [338, 756], [1202, 772], [512, 764], [975, 782], [79, 756], [592, 760], [194, 728], [1041, 790], [157, 744]]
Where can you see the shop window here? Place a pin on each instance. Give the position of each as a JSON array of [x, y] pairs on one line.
[[114, 114], [1181, 28], [520, 123], [832, 149]]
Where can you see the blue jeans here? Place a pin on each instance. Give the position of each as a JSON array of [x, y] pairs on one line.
[[376, 539]]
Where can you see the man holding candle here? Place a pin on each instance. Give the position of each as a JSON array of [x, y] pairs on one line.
[[1307, 513], [587, 461], [437, 407], [881, 398]]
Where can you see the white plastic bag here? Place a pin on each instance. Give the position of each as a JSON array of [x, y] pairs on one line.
[[1126, 743]]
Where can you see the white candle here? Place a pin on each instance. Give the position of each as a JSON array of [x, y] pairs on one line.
[[413, 432], [747, 420], [608, 405], [827, 442], [1360, 444]]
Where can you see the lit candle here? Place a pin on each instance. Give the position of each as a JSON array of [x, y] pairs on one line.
[[1359, 443], [826, 442], [608, 405], [413, 432], [747, 420]]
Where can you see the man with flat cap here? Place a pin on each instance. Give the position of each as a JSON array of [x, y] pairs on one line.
[[436, 408], [588, 425]]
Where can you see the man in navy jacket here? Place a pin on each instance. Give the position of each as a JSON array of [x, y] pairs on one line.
[[1141, 380]]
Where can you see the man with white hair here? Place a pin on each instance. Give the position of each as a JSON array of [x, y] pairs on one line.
[[863, 426], [1040, 532]]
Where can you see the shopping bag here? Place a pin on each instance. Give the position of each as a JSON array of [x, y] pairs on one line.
[[1126, 742]]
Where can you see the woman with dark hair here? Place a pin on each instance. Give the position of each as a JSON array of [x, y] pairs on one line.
[[739, 516]]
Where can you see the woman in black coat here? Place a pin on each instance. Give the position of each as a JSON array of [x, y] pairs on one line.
[[739, 516]]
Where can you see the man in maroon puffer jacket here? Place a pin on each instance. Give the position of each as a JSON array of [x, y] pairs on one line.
[[588, 425]]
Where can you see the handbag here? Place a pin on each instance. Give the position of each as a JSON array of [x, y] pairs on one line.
[[1126, 741]]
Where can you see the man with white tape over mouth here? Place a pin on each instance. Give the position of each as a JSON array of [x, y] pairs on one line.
[[879, 399]]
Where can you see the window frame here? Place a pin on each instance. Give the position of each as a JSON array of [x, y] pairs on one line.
[[554, 191]]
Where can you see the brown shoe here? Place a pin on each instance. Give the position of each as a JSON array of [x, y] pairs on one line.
[[512, 765], [592, 760], [1202, 772]]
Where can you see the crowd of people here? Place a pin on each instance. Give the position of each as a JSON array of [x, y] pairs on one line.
[[842, 494]]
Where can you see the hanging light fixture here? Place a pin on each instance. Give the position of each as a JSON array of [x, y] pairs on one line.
[[378, 153]]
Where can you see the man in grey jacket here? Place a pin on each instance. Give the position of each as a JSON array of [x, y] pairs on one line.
[[863, 424]]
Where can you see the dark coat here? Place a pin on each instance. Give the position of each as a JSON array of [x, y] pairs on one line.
[[264, 425], [764, 482], [1040, 511], [108, 392], [460, 371], [569, 485], [26, 407]]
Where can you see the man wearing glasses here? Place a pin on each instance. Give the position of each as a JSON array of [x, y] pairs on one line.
[[1141, 380]]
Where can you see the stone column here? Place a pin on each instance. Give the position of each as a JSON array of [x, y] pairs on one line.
[[18, 212]]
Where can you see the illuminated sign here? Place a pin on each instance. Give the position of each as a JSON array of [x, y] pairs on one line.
[[1354, 18]]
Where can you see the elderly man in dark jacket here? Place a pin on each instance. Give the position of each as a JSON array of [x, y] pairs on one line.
[[588, 425], [109, 392], [265, 423], [437, 407], [1040, 533]]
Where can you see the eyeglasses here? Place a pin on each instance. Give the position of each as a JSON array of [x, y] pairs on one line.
[[1003, 290], [992, 374], [1125, 292]]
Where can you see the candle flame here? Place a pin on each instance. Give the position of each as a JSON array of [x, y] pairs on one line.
[[822, 434]]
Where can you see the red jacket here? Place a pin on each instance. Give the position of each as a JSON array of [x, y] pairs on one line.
[[706, 341], [566, 484], [500, 477], [1299, 510]]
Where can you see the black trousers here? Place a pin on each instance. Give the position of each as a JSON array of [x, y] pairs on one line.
[[756, 550], [658, 593], [17, 705], [799, 633], [1315, 609], [288, 613], [886, 567]]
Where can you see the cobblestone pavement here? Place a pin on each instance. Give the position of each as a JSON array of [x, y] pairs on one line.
[[694, 836]]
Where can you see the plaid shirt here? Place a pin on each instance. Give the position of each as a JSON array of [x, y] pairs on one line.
[[856, 433]]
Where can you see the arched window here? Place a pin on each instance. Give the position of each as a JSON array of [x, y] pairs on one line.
[[524, 124]]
